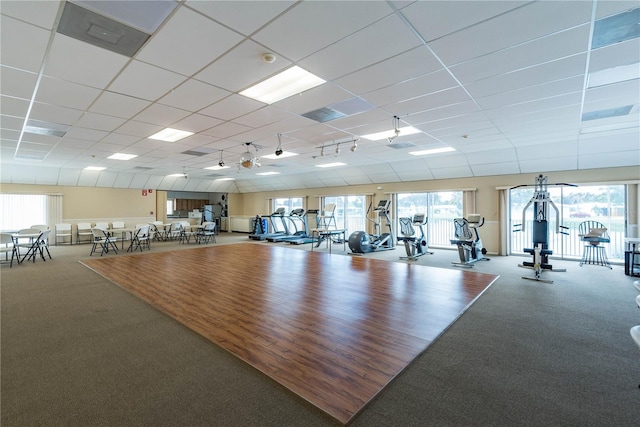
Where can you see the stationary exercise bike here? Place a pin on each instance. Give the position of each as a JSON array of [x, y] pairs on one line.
[[360, 242], [415, 244], [540, 229], [467, 238]]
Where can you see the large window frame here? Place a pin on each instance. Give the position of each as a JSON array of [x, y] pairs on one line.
[[20, 211]]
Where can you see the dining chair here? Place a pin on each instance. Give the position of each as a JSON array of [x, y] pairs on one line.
[[140, 239], [83, 232], [187, 233], [102, 238], [63, 231], [175, 231], [103, 225], [41, 227], [7, 245], [206, 233], [34, 241]]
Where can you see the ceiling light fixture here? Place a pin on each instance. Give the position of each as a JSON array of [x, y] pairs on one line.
[[170, 135], [248, 160], [432, 151], [337, 148], [279, 148], [94, 168], [331, 165], [354, 147], [221, 162], [291, 81], [122, 156], [396, 130]]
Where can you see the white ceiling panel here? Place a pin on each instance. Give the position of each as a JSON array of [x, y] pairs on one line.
[[186, 52], [503, 83]]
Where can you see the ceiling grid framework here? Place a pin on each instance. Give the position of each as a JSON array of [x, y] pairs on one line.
[[509, 85]]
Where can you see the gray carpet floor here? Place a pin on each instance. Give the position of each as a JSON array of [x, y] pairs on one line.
[[77, 350]]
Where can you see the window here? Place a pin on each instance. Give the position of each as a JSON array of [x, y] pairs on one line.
[[441, 208], [350, 211], [22, 210], [602, 203], [171, 206]]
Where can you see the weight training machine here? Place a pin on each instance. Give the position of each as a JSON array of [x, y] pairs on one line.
[[360, 242], [415, 243], [467, 238], [541, 202]]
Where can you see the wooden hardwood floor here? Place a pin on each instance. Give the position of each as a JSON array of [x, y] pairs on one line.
[[333, 329]]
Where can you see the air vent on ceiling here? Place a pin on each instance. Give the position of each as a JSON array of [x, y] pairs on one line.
[[141, 168], [90, 27], [617, 28], [342, 109], [605, 114], [194, 153], [35, 156], [400, 145], [40, 127]]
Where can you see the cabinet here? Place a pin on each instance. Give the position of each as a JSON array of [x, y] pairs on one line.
[[190, 204]]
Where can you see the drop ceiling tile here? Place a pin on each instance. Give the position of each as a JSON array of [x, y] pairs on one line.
[[307, 25], [534, 20], [186, 52], [530, 93], [541, 151], [196, 123], [403, 67], [242, 67], [123, 180], [54, 114], [227, 130], [67, 60], [162, 115], [435, 19], [141, 130], [17, 83], [32, 39], [543, 73], [117, 105], [625, 141], [507, 168], [523, 56], [383, 39], [609, 160], [99, 122], [555, 163], [66, 94], [312, 99], [106, 179], [145, 81], [232, 107], [451, 172], [14, 106], [193, 95]]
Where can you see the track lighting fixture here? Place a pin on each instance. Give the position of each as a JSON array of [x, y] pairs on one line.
[[221, 162], [396, 131], [354, 147], [279, 148]]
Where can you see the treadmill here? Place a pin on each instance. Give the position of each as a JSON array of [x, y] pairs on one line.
[[296, 232], [278, 229]]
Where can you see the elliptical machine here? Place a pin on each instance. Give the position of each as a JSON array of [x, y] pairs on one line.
[[470, 249], [415, 244], [360, 242]]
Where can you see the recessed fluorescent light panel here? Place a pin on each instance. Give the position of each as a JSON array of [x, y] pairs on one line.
[[408, 130], [268, 173], [281, 156], [224, 179], [331, 165], [181, 175], [432, 151], [289, 82], [171, 135], [217, 167], [614, 75], [122, 156], [94, 168]]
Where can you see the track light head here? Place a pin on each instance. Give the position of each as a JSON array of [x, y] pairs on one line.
[[278, 151], [221, 163], [338, 149], [354, 147]]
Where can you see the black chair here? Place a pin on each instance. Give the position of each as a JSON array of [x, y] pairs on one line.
[[594, 234]]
